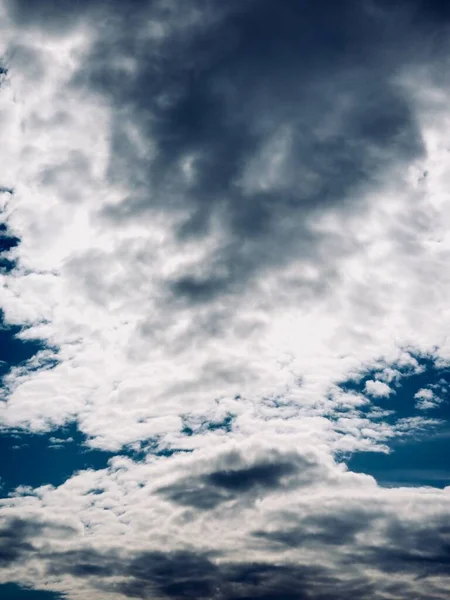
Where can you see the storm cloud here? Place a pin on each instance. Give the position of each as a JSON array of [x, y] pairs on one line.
[[258, 116]]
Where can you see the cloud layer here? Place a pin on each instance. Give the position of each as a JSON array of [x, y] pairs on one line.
[[230, 252]]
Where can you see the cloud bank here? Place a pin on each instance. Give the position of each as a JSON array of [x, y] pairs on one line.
[[230, 253]]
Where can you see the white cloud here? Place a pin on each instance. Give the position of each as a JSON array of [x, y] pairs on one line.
[[378, 389], [426, 399]]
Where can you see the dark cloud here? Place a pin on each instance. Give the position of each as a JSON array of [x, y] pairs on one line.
[[421, 549], [281, 111], [84, 563], [251, 581], [176, 575], [185, 574], [192, 493], [321, 530], [416, 550], [205, 492], [14, 541], [60, 16], [242, 480], [17, 535], [434, 11], [56, 15]]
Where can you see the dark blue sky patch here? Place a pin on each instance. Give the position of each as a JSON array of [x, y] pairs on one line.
[[419, 390], [7, 243], [412, 462], [6, 264], [3, 74], [51, 458], [426, 375], [7, 240], [13, 350], [17, 352], [11, 591]]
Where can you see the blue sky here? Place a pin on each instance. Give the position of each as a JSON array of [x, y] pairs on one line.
[[45, 459], [224, 349], [420, 459], [15, 592]]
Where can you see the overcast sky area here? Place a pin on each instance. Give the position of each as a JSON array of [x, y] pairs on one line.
[[224, 299]]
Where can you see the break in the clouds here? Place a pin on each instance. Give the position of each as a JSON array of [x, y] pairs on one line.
[[224, 305]]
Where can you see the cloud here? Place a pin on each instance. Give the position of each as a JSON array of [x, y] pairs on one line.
[[236, 481], [426, 399], [225, 218], [424, 550], [14, 544], [378, 389], [17, 534], [328, 532], [190, 575], [252, 170], [181, 213]]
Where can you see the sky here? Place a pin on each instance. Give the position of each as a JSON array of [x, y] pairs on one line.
[[224, 300]]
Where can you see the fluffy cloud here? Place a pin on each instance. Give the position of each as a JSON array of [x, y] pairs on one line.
[[224, 212], [378, 389], [141, 530], [139, 262]]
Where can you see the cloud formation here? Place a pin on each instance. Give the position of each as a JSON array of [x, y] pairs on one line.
[[225, 241], [316, 531]]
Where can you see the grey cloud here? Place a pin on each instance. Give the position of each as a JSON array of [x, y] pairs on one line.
[[17, 536], [308, 85], [14, 540], [422, 549], [192, 493], [55, 16], [84, 563], [317, 530], [70, 176], [186, 574], [291, 582], [176, 574], [414, 549], [242, 482]]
